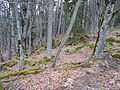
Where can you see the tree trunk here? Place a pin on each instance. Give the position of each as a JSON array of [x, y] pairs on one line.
[[103, 31], [68, 31], [9, 39], [60, 19], [29, 29], [20, 49], [1, 58], [49, 33]]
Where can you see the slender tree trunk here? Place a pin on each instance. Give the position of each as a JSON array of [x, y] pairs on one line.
[[68, 31], [9, 41], [1, 58], [103, 30], [49, 33], [41, 31], [29, 29], [60, 19], [1, 41], [20, 49]]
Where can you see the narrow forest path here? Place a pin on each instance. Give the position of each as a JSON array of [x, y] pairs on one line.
[[95, 77]]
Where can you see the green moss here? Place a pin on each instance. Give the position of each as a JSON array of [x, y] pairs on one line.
[[45, 60], [110, 43], [117, 35], [33, 63], [44, 45], [25, 62], [26, 57], [111, 39], [106, 47], [92, 63], [18, 58], [116, 56], [11, 63], [41, 62], [83, 39], [0, 85], [118, 51], [24, 72], [91, 46], [52, 57], [30, 55], [78, 48], [65, 68], [69, 74], [117, 41], [67, 50]]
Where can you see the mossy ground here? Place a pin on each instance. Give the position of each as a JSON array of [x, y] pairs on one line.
[[11, 63], [34, 62], [45, 60], [76, 49]]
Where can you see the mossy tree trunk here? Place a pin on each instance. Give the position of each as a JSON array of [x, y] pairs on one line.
[[103, 29]]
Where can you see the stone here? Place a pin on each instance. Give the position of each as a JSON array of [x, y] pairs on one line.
[[111, 82], [94, 85], [90, 71], [118, 84], [79, 81], [84, 88]]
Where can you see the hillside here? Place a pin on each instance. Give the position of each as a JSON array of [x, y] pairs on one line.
[[70, 73]]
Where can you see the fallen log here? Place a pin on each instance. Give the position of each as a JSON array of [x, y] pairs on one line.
[[24, 72]]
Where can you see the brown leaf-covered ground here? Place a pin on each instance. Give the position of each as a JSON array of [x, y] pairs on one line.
[[95, 77]]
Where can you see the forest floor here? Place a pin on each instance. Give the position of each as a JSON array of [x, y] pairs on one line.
[[103, 74]]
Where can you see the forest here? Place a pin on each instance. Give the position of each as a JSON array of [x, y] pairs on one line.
[[59, 44]]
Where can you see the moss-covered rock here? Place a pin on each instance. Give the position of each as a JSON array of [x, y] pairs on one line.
[[33, 63], [11, 63]]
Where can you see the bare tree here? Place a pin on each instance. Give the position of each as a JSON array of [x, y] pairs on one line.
[[19, 31], [68, 31]]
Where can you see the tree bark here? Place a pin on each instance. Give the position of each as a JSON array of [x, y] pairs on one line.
[[103, 31], [49, 33], [68, 31], [20, 49], [60, 19], [9, 38]]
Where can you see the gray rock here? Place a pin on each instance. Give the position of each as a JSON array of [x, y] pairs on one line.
[[84, 88], [118, 84], [90, 72], [94, 85], [80, 81], [89, 89]]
